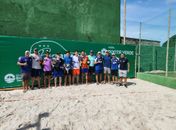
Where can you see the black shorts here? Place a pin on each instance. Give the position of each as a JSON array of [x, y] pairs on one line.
[[36, 73], [69, 72], [26, 76], [47, 73], [114, 72], [91, 70]]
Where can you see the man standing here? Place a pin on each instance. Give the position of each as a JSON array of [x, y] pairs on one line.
[[76, 67], [98, 67], [58, 69], [68, 67], [25, 62], [47, 68], [124, 68], [107, 66], [114, 68], [36, 67], [91, 58], [84, 66]]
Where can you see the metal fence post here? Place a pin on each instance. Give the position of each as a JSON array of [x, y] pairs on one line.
[[167, 49], [139, 53]]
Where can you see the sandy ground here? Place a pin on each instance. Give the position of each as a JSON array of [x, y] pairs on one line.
[[144, 106]]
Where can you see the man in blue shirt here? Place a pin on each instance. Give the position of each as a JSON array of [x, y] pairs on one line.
[[107, 66], [98, 67], [68, 67], [25, 62], [114, 68], [123, 70]]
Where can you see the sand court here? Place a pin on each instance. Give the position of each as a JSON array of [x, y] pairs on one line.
[[141, 106]]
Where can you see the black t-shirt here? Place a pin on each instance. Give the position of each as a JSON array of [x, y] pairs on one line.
[[58, 65], [123, 62]]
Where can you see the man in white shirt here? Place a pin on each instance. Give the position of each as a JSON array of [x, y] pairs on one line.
[[36, 67], [76, 67]]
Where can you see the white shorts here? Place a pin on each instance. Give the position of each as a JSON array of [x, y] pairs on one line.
[[123, 73], [107, 70]]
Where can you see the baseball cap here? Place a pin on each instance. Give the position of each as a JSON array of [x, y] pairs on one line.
[[26, 51], [91, 51], [47, 52], [99, 52], [113, 54], [35, 49]]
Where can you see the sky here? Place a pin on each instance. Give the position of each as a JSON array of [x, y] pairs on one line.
[[154, 17]]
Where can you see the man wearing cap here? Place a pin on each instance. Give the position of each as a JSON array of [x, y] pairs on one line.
[[123, 70], [84, 66], [114, 68], [76, 67], [91, 58], [67, 68], [47, 68], [25, 62], [36, 67], [107, 66], [98, 67], [58, 69]]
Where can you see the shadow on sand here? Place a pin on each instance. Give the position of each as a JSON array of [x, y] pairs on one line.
[[36, 125]]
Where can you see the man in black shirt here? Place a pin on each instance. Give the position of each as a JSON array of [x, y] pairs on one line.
[[123, 70]]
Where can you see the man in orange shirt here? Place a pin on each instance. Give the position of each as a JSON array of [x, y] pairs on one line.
[[84, 66]]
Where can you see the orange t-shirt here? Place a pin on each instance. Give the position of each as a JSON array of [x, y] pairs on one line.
[[84, 62]]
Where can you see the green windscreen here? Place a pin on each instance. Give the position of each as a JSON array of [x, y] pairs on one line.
[[85, 20], [12, 48]]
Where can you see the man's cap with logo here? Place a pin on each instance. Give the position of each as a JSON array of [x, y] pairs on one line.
[[91, 51], [47, 52], [113, 54]]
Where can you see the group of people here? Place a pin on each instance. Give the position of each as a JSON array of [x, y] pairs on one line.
[[69, 69]]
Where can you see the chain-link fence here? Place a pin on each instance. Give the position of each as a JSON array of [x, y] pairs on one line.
[[152, 37]]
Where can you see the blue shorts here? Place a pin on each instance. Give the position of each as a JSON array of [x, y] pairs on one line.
[[26, 76], [59, 73], [98, 71], [84, 70]]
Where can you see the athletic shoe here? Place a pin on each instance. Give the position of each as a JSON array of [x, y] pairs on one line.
[[120, 84], [112, 83], [103, 82]]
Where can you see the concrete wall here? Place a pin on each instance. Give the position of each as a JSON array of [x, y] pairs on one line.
[[135, 41], [88, 20]]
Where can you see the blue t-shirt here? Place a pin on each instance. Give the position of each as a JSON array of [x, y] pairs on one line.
[[28, 67], [123, 62], [114, 63], [107, 61], [68, 61], [99, 66]]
